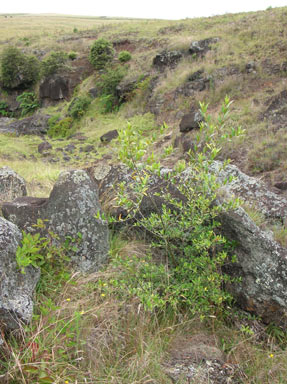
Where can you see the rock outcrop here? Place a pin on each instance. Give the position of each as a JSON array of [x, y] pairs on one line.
[[70, 210], [200, 47], [261, 265], [44, 147], [16, 288], [167, 59], [190, 121], [32, 125], [252, 191], [55, 88], [196, 82], [11, 185], [109, 136]]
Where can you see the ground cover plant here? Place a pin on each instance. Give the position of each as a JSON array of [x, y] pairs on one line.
[[120, 324]]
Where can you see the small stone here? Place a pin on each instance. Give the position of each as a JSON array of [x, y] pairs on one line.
[[44, 147], [109, 136]]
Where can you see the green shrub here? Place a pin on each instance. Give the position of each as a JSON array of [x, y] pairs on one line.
[[28, 103], [185, 230], [17, 69], [125, 56], [101, 53], [72, 55], [4, 109], [108, 88], [79, 106], [60, 128], [54, 63]]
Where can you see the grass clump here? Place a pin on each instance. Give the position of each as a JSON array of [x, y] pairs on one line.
[[101, 53], [268, 154], [72, 55], [79, 106], [60, 128], [124, 56]]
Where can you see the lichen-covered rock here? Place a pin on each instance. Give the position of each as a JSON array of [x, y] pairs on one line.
[[71, 209], [196, 82], [16, 288], [11, 185], [252, 191], [276, 111], [200, 47], [167, 59], [261, 265]]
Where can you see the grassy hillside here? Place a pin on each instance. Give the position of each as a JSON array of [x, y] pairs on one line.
[[87, 330]]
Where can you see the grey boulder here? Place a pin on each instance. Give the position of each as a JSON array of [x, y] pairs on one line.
[[190, 121], [261, 265], [54, 87], [32, 125], [16, 288], [11, 185], [70, 211]]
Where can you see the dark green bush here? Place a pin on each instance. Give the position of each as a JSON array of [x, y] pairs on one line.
[[101, 53], [17, 69], [108, 88], [79, 106], [124, 56], [4, 109], [60, 128], [54, 63], [28, 103]]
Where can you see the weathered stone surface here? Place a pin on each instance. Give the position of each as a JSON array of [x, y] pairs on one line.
[[251, 191], [32, 125], [197, 359], [4, 125], [16, 288], [262, 266], [70, 209], [44, 147], [276, 111], [202, 46], [11, 185], [196, 82], [262, 262], [190, 121], [109, 136], [167, 59], [250, 67], [125, 88], [54, 87]]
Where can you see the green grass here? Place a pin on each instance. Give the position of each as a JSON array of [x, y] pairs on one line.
[[83, 332], [80, 330]]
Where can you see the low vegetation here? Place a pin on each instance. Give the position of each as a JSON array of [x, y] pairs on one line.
[[101, 53], [120, 324], [18, 70]]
